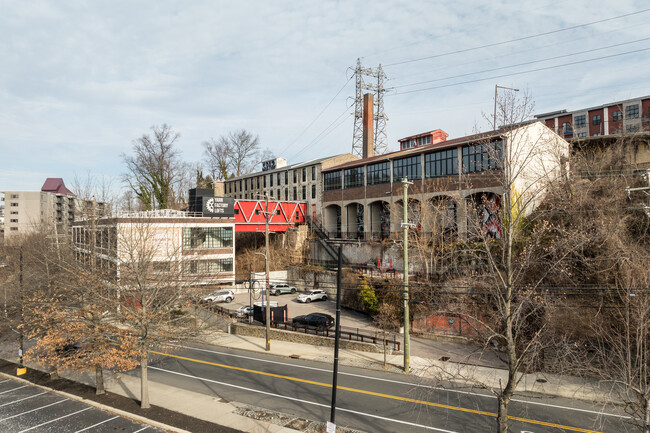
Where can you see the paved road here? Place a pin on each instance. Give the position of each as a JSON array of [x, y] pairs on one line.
[[26, 408], [370, 401]]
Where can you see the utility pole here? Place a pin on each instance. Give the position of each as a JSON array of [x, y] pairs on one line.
[[336, 338], [21, 369], [267, 308], [380, 140], [405, 234]]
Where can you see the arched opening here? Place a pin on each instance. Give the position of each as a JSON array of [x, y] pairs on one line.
[[444, 214], [355, 221], [379, 220], [332, 220]]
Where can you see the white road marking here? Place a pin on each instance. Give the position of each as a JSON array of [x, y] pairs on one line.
[[302, 401], [6, 380], [95, 425], [435, 388], [142, 429], [14, 389], [56, 419], [26, 398], [33, 410]]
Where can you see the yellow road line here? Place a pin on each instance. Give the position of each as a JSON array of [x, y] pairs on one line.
[[378, 394]]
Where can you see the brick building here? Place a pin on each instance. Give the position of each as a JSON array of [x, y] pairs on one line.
[[628, 116], [359, 197]]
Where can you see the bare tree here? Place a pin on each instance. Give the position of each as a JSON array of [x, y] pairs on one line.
[[154, 286], [155, 168], [217, 153], [234, 155]]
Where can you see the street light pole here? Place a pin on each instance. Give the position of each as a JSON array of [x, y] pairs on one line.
[[496, 87], [267, 309]]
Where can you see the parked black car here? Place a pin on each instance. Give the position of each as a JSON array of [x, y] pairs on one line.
[[317, 320]]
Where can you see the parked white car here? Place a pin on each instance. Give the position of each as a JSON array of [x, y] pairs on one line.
[[220, 296], [312, 295]]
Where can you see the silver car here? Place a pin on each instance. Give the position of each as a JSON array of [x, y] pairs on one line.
[[279, 289]]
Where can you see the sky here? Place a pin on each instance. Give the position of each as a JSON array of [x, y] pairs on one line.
[[81, 80]]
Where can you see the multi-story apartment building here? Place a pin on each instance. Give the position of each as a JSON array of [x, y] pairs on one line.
[[628, 116], [54, 207], [200, 249], [282, 182], [459, 175]]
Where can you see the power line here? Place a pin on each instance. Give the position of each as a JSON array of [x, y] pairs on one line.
[[521, 72], [494, 44], [317, 117], [519, 64], [324, 133]]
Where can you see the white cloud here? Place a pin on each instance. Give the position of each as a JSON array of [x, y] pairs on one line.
[[80, 80]]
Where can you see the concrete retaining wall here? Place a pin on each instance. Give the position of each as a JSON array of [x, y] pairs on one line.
[[299, 337]]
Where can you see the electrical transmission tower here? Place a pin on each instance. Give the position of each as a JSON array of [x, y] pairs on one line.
[[369, 80]]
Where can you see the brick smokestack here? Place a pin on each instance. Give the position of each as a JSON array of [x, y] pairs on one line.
[[368, 133]]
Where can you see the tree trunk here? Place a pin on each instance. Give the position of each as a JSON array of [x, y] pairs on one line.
[[99, 380], [502, 417], [144, 384], [646, 427]]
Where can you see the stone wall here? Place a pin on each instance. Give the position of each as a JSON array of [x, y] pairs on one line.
[[299, 337]]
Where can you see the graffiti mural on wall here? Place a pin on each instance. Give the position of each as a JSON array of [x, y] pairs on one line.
[[490, 220], [360, 229]]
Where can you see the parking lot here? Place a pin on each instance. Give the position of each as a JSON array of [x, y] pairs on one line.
[[349, 318], [24, 407]]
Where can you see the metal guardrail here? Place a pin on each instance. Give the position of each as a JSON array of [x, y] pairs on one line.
[[347, 333]]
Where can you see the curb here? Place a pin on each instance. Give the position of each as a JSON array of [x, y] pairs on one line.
[[103, 407]]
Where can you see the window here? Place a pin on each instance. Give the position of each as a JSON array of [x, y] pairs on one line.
[[378, 173], [14, 205], [252, 183], [13, 229], [279, 179], [580, 121], [208, 266], [304, 174], [582, 134], [353, 177], [595, 120], [264, 181], [407, 167], [617, 115], [632, 111], [566, 128], [304, 192], [408, 144], [286, 177], [14, 196], [235, 186], [482, 157], [279, 194], [207, 237], [240, 187], [631, 128], [13, 221], [295, 193], [313, 172], [230, 188], [332, 180], [596, 134], [245, 185], [441, 163], [286, 193], [271, 180], [313, 191], [423, 141], [617, 131], [258, 182], [295, 176], [14, 212]]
